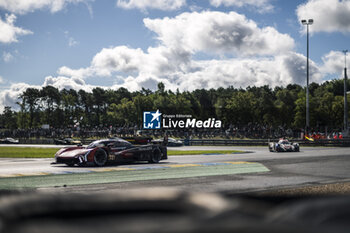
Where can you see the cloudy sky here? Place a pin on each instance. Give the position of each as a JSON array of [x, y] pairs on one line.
[[185, 44]]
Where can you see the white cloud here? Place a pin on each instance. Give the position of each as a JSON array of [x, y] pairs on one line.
[[9, 32], [72, 42], [260, 5], [120, 58], [239, 72], [7, 57], [218, 32], [333, 62], [2, 80], [10, 96], [144, 81], [158, 61], [26, 6], [328, 15], [172, 61], [62, 82], [182, 37], [277, 71], [155, 67], [78, 73], [151, 4]]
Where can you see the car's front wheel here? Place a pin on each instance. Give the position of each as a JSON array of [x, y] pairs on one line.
[[100, 157], [278, 148]]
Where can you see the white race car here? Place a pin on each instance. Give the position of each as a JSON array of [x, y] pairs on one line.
[[283, 145]]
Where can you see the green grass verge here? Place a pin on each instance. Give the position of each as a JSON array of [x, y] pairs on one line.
[[27, 152], [202, 152], [33, 152]]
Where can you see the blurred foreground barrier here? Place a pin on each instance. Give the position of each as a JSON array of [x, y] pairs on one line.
[[164, 210]]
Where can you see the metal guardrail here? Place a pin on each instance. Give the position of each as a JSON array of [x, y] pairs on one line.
[[36, 141], [225, 142], [264, 142]]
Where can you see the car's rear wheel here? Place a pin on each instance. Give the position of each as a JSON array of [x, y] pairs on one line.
[[100, 157], [156, 156]]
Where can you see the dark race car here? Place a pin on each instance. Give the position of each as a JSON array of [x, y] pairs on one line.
[[283, 145], [67, 141], [100, 152], [138, 140], [171, 142]]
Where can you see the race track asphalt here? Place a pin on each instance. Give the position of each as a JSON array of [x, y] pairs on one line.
[[233, 173]]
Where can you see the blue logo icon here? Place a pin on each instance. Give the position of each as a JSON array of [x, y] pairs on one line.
[[151, 120]]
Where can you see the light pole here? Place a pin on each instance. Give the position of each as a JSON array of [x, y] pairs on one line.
[[307, 23], [346, 127]]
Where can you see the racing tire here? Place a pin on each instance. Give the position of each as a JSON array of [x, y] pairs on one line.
[[278, 149], [274, 148], [155, 156], [100, 157]]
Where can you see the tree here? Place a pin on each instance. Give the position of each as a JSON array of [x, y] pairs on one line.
[[204, 104], [241, 107], [30, 100], [264, 110], [123, 113], [70, 106], [161, 88], [99, 98], [8, 119], [142, 103], [51, 100], [338, 110], [285, 105], [258, 105]]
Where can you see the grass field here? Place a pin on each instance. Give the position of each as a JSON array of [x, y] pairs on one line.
[[31, 152], [203, 152], [27, 152]]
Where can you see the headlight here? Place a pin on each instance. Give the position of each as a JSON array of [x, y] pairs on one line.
[[81, 158], [86, 155]]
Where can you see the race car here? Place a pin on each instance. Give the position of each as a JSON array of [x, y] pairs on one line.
[[138, 140], [104, 151], [283, 145], [171, 142], [9, 141], [67, 141]]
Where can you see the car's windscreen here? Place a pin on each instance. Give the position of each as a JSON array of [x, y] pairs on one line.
[[98, 144], [106, 143]]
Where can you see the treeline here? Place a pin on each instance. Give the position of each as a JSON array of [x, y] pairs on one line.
[[281, 106]]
